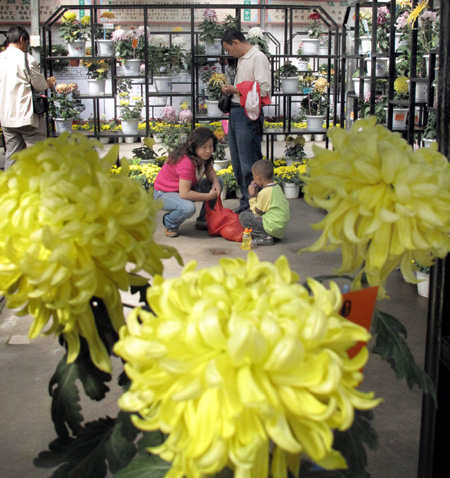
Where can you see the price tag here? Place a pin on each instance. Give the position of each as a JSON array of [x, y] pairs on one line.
[[110, 26], [307, 91], [134, 44], [57, 104]]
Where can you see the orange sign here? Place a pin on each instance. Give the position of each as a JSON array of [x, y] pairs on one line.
[[134, 44], [358, 307]]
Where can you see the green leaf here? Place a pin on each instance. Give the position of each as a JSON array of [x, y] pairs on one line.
[[149, 466], [149, 440], [390, 344], [104, 441]]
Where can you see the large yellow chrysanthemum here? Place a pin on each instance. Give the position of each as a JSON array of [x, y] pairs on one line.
[[68, 229], [386, 204], [239, 359]]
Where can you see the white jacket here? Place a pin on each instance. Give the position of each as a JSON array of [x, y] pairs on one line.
[[16, 107]]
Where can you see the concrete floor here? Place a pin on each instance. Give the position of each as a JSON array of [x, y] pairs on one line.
[[25, 424]]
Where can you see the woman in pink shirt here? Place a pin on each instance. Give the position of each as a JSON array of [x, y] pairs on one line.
[[180, 181]]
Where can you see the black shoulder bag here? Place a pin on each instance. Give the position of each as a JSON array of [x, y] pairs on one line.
[[40, 101], [225, 102]]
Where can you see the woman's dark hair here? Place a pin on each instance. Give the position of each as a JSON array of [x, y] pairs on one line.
[[197, 137], [233, 34], [14, 34]]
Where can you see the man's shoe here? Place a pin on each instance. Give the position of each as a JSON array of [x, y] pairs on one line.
[[263, 241], [239, 209], [201, 225], [171, 232]]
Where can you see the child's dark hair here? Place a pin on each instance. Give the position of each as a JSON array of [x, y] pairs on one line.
[[264, 168], [197, 137]]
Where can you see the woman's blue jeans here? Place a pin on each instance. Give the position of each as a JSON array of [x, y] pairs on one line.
[[244, 137], [181, 209]]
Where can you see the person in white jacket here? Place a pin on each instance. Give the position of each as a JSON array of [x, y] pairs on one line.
[[21, 127]]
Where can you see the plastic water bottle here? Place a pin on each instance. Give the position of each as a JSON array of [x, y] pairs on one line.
[[246, 240]]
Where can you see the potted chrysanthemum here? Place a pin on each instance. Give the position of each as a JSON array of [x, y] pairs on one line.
[[256, 37], [211, 32], [315, 104], [287, 75], [311, 44], [131, 114], [213, 90], [401, 92], [104, 41], [64, 106], [97, 72], [130, 48], [75, 33]]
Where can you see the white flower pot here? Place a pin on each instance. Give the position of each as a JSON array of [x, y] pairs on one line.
[[220, 164], [62, 125], [307, 137], [213, 108], [400, 115], [184, 77], [311, 46], [129, 140], [381, 66], [421, 88], [131, 67], [424, 285], [130, 126], [289, 85], [323, 50], [76, 48], [291, 190], [428, 142], [398, 42], [302, 66], [163, 84], [314, 123], [319, 137], [214, 48], [365, 45], [105, 48], [366, 86], [96, 87]]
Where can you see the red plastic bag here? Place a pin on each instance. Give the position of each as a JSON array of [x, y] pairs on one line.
[[223, 222]]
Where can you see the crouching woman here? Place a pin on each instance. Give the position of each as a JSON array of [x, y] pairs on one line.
[[188, 176]]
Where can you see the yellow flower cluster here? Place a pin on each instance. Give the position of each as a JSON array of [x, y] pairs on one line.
[[238, 361], [404, 3], [290, 174], [68, 229], [401, 85], [386, 203], [321, 85], [69, 17], [107, 14], [218, 79]]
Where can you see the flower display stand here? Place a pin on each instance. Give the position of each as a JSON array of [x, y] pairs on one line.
[[424, 284], [311, 46], [62, 125], [214, 48], [289, 84], [213, 108], [163, 84], [291, 190], [314, 123], [96, 87], [105, 48], [77, 48], [131, 67], [130, 126]]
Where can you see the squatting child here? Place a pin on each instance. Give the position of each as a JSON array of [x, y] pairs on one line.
[[268, 215]]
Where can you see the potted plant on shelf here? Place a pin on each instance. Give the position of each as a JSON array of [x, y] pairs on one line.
[[213, 90], [429, 132], [303, 60], [130, 46], [164, 59], [75, 33], [211, 32], [256, 37], [59, 65], [294, 150], [131, 113], [401, 93], [312, 43], [365, 31], [287, 75], [289, 179], [103, 35], [380, 108], [427, 27], [315, 104], [97, 72], [64, 107]]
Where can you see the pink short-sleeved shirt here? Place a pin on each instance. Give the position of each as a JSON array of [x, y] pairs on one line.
[[168, 178]]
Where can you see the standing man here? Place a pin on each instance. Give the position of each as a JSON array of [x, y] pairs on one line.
[[21, 127], [245, 135]]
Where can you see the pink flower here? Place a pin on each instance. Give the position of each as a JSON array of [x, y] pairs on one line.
[[367, 98], [383, 15], [140, 32], [210, 15], [118, 35], [430, 16], [402, 21], [185, 116], [169, 114]]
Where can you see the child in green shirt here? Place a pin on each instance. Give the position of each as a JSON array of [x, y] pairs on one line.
[[268, 215]]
